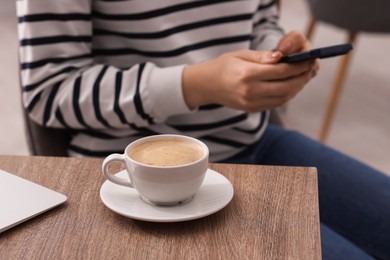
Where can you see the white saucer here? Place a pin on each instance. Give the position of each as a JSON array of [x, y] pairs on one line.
[[214, 194]]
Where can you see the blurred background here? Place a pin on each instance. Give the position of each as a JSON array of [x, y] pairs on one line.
[[361, 127]]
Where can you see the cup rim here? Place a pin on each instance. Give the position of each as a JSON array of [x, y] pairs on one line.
[[159, 136]]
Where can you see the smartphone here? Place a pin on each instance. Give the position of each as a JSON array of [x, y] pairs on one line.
[[320, 53]]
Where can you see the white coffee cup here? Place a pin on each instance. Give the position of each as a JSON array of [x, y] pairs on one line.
[[164, 169]]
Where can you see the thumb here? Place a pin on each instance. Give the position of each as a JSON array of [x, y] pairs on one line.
[[263, 57]]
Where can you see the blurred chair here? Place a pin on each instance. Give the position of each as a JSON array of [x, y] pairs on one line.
[[354, 17], [43, 141]]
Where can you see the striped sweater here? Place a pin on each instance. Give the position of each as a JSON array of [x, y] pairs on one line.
[[111, 70]]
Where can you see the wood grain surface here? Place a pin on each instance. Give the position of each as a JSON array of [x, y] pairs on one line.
[[274, 215]]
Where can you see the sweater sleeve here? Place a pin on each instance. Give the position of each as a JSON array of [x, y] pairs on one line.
[[267, 31], [63, 86]]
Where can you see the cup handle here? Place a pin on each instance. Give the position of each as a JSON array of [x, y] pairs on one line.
[[110, 176]]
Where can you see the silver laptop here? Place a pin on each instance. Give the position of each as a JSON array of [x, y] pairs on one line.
[[21, 200]]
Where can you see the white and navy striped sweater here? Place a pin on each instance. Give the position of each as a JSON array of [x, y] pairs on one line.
[[111, 70]]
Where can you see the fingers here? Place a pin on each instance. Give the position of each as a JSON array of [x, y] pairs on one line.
[[316, 68], [285, 89], [265, 95], [281, 71], [290, 87]]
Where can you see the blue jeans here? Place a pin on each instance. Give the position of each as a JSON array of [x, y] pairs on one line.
[[354, 198]]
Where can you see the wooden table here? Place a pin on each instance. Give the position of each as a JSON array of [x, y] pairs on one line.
[[273, 215]]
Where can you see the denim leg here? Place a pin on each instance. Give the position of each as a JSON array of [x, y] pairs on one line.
[[354, 198], [336, 247]]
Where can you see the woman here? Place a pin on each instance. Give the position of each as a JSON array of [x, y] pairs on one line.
[[114, 71]]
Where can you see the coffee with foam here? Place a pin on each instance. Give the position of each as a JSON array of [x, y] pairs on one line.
[[166, 152]]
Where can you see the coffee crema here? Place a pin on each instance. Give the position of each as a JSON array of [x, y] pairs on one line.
[[166, 152]]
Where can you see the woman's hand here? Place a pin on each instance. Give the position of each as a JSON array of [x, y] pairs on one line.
[[247, 80]]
